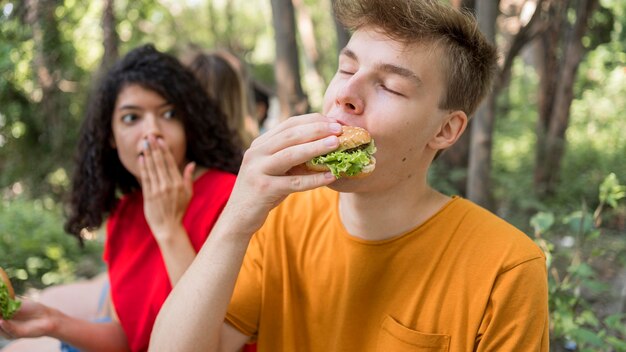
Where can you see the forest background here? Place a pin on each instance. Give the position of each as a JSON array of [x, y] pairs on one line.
[[546, 150]]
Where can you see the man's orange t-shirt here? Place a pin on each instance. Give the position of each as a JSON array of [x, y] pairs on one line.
[[464, 280]]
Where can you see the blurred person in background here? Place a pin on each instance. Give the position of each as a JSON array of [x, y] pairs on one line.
[[225, 85], [262, 96]]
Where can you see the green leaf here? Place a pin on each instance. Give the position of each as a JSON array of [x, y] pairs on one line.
[[579, 222], [346, 163], [587, 336], [611, 191], [596, 286], [541, 222], [588, 317], [582, 270], [614, 321], [618, 344]]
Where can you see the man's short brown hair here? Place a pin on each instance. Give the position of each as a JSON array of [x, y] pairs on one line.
[[469, 59]]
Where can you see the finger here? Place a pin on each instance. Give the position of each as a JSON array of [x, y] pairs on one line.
[[298, 183], [291, 122], [300, 134], [285, 159], [150, 167], [300, 169], [5, 330], [164, 167], [188, 175], [146, 185], [170, 162]]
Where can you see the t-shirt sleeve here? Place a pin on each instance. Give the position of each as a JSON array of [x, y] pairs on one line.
[[516, 318], [245, 305]]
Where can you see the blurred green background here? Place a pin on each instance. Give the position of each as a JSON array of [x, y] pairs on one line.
[[51, 51]]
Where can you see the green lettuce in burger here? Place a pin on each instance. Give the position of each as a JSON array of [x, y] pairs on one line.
[[8, 304], [353, 158]]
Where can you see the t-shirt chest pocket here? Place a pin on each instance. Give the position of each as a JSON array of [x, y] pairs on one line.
[[395, 337]]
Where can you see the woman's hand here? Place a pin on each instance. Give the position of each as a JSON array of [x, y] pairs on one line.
[[166, 196], [35, 320], [166, 192], [31, 320]]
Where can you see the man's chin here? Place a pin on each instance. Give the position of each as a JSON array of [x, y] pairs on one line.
[[347, 185]]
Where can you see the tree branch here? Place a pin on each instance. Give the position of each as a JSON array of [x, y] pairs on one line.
[[525, 35]]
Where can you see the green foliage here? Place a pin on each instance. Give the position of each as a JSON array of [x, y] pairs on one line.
[[595, 143], [611, 191], [513, 146], [36, 252], [39, 108], [71, 41], [574, 282]]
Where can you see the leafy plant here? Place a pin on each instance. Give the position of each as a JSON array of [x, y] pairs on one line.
[[573, 279], [36, 252]]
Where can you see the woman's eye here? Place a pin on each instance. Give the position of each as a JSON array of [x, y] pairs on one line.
[[128, 118], [346, 72], [170, 114]]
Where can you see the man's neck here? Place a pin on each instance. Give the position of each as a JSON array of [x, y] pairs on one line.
[[383, 215]]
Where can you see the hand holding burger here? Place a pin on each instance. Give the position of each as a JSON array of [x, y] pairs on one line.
[[353, 158], [8, 304]]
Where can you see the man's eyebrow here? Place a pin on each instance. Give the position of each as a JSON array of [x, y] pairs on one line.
[[400, 71], [389, 68], [349, 53]]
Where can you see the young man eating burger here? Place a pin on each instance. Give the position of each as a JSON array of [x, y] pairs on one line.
[[380, 263]]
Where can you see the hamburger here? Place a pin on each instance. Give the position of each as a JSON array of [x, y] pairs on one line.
[[8, 304], [353, 158]]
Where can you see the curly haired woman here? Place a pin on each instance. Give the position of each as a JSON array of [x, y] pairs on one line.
[[157, 161]]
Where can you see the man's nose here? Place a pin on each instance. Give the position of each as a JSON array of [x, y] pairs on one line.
[[349, 98]]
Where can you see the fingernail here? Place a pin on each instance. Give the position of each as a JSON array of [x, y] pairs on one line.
[[331, 141], [329, 175], [160, 141], [335, 127], [146, 145]]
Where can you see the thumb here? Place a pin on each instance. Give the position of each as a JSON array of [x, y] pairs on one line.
[[188, 175]]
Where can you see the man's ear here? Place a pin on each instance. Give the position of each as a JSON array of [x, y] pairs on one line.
[[451, 129]]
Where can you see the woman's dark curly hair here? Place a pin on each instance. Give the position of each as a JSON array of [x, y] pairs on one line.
[[99, 175]]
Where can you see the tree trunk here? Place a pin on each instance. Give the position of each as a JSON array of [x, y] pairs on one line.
[[229, 33], [40, 15], [111, 39], [479, 170], [548, 65], [307, 33], [292, 100], [557, 94], [481, 140], [213, 18], [343, 36], [525, 34], [315, 82]]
